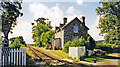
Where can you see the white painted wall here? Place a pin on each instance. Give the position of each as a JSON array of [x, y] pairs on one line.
[[77, 52]]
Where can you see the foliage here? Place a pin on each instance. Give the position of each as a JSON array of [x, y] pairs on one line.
[[109, 22], [41, 27], [16, 42], [46, 38], [107, 45], [75, 43], [10, 12], [78, 42], [91, 43], [66, 46]]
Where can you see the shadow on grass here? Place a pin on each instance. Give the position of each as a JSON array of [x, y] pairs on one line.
[[107, 57]]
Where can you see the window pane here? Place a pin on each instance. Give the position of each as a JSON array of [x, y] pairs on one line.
[[75, 29]]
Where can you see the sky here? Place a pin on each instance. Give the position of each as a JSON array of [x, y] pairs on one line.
[[56, 11]]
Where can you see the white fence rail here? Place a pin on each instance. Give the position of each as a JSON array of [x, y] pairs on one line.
[[16, 57]]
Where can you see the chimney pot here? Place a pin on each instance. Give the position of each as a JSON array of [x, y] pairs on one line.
[[82, 19], [64, 20]]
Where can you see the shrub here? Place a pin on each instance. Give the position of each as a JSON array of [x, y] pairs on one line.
[[66, 47], [75, 43], [106, 45], [15, 44], [78, 42]]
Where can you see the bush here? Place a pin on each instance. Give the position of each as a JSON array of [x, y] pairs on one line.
[[106, 45], [78, 42], [75, 43], [15, 44], [66, 47]]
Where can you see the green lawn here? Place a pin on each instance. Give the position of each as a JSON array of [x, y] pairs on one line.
[[92, 58], [60, 53], [113, 53]]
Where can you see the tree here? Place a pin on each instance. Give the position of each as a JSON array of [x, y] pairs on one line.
[[109, 22], [46, 38], [41, 27], [10, 12], [16, 43], [20, 38]]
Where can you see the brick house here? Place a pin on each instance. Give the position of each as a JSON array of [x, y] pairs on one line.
[[68, 31]]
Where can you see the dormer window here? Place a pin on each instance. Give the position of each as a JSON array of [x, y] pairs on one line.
[[75, 29]]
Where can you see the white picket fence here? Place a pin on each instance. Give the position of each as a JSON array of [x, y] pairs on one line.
[[16, 57]]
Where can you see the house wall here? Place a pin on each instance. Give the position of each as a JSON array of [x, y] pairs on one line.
[[60, 35], [69, 34], [57, 43]]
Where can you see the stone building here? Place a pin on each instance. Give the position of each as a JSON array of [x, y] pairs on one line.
[[68, 31]]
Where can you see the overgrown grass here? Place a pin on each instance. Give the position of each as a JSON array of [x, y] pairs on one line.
[[60, 53]]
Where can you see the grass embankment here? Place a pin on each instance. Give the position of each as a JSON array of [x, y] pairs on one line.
[[60, 53]]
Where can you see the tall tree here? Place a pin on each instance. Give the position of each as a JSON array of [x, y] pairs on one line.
[[109, 22], [46, 38], [41, 27], [10, 12]]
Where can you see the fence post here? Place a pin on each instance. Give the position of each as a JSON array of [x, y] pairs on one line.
[[14, 55], [0, 56], [3, 60], [25, 56], [19, 56], [22, 56], [9, 59]]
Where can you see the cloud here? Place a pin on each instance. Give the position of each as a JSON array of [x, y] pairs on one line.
[[94, 32], [71, 13], [70, 10], [54, 13], [79, 2], [24, 29]]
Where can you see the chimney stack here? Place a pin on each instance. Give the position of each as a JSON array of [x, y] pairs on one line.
[[64, 20], [82, 19]]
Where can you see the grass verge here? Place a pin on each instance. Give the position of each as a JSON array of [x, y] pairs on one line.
[[60, 53]]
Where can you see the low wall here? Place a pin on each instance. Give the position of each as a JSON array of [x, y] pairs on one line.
[[76, 52]]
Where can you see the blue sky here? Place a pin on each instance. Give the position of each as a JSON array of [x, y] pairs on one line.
[[55, 11]]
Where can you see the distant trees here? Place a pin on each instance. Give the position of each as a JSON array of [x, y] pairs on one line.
[[42, 33], [16, 42], [109, 22]]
